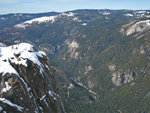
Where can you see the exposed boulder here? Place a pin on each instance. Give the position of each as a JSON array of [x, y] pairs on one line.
[[72, 49], [121, 77]]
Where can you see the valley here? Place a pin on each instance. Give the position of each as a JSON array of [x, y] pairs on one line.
[[100, 58]]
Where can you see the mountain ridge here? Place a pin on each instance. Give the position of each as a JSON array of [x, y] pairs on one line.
[[95, 50]]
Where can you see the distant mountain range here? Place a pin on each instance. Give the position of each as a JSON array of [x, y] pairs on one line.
[[100, 57]]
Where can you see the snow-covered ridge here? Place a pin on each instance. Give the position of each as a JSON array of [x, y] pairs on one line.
[[104, 13], [128, 14], [44, 19], [18, 54], [68, 14], [141, 12], [147, 22], [37, 20]]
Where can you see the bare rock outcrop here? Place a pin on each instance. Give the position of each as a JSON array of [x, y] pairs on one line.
[[27, 84], [121, 77]]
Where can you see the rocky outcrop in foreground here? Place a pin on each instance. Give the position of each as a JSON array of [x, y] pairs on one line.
[[26, 82]]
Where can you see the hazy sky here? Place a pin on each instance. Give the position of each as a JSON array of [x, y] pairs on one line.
[[35, 6]]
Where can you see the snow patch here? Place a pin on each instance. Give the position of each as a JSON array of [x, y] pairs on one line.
[[43, 97], [144, 22], [42, 52], [70, 14], [2, 45], [48, 69], [18, 54], [105, 13], [5, 101], [77, 19], [2, 18], [7, 88], [84, 24], [53, 94], [141, 11], [130, 15]]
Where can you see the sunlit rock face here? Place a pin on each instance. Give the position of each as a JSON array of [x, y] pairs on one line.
[[136, 27]]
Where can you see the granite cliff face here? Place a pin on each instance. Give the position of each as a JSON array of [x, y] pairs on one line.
[[27, 84]]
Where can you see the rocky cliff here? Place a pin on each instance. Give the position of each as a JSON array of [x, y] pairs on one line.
[[27, 84]]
